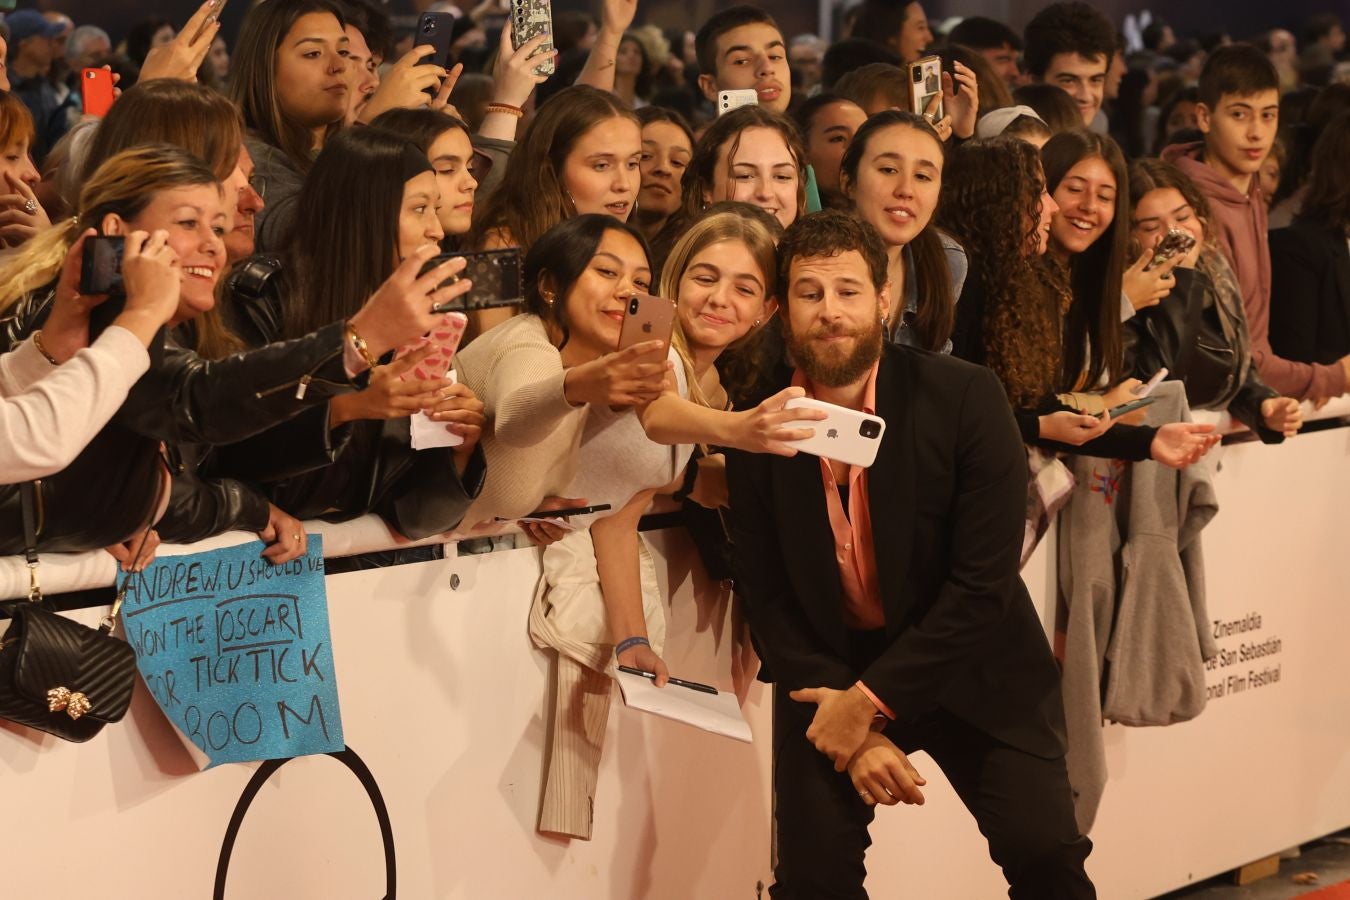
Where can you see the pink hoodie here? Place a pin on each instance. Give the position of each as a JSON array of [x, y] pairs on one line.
[[1238, 222]]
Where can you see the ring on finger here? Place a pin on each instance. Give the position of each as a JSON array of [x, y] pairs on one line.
[[30, 206]]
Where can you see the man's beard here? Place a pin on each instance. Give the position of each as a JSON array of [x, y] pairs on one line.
[[831, 366]]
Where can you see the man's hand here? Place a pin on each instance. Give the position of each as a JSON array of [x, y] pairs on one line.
[[882, 773], [841, 724]]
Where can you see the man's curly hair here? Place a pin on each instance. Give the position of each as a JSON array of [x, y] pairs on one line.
[[991, 203], [1072, 27]]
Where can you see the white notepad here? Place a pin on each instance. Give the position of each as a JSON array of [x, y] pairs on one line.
[[719, 713]]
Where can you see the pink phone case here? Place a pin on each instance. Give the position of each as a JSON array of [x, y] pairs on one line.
[[445, 337]]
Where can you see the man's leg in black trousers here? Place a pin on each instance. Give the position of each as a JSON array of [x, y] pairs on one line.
[[1023, 806], [821, 821]]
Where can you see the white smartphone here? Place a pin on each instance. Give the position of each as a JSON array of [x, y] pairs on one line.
[[845, 435], [1147, 387], [729, 100]]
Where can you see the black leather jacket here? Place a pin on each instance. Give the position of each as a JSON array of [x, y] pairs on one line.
[[1201, 337], [112, 488], [418, 492]]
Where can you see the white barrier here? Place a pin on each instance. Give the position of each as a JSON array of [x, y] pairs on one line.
[[446, 701]]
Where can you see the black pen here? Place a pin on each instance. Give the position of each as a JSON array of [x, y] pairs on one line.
[[691, 685]]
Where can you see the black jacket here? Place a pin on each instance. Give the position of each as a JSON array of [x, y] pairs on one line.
[[948, 495], [1310, 293], [111, 489], [374, 468], [1187, 334]]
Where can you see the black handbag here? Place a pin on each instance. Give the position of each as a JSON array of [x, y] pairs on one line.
[[57, 675]]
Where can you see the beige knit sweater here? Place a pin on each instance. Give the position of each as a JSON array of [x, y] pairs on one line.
[[533, 433]]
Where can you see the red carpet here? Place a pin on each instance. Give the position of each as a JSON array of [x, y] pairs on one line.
[[1335, 892]]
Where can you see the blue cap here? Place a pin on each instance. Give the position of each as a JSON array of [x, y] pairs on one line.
[[26, 23]]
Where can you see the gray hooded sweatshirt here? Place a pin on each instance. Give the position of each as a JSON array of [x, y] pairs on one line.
[[1131, 577]]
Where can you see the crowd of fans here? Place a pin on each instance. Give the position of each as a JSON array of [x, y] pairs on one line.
[[279, 199]]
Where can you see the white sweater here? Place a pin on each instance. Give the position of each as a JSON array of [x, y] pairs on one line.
[[49, 414], [533, 433]]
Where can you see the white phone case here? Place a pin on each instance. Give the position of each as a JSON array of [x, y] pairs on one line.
[[729, 100], [846, 436]]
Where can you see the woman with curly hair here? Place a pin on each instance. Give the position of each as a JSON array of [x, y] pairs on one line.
[[994, 200]]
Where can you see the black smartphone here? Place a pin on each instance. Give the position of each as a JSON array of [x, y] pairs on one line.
[[560, 513], [101, 266], [435, 29], [496, 275], [1126, 408]]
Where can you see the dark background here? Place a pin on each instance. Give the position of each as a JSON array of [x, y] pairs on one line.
[[1240, 18]]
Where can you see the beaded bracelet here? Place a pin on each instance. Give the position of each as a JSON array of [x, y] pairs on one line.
[[505, 108], [626, 645]]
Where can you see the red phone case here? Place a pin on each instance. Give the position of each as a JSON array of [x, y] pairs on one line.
[[445, 337], [96, 91]]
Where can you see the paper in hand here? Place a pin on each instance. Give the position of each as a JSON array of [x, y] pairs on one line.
[[427, 432], [718, 713]]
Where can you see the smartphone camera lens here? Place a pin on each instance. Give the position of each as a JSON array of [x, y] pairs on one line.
[[89, 75], [633, 307], [428, 27], [869, 429], [918, 75]]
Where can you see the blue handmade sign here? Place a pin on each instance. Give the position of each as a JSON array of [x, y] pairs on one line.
[[237, 652]]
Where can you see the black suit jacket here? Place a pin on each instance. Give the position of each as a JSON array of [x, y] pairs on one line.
[[948, 496], [1310, 293]]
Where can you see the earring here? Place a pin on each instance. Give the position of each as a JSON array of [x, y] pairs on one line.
[[757, 321]]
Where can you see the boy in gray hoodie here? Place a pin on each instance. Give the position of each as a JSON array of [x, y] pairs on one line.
[[1239, 112]]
